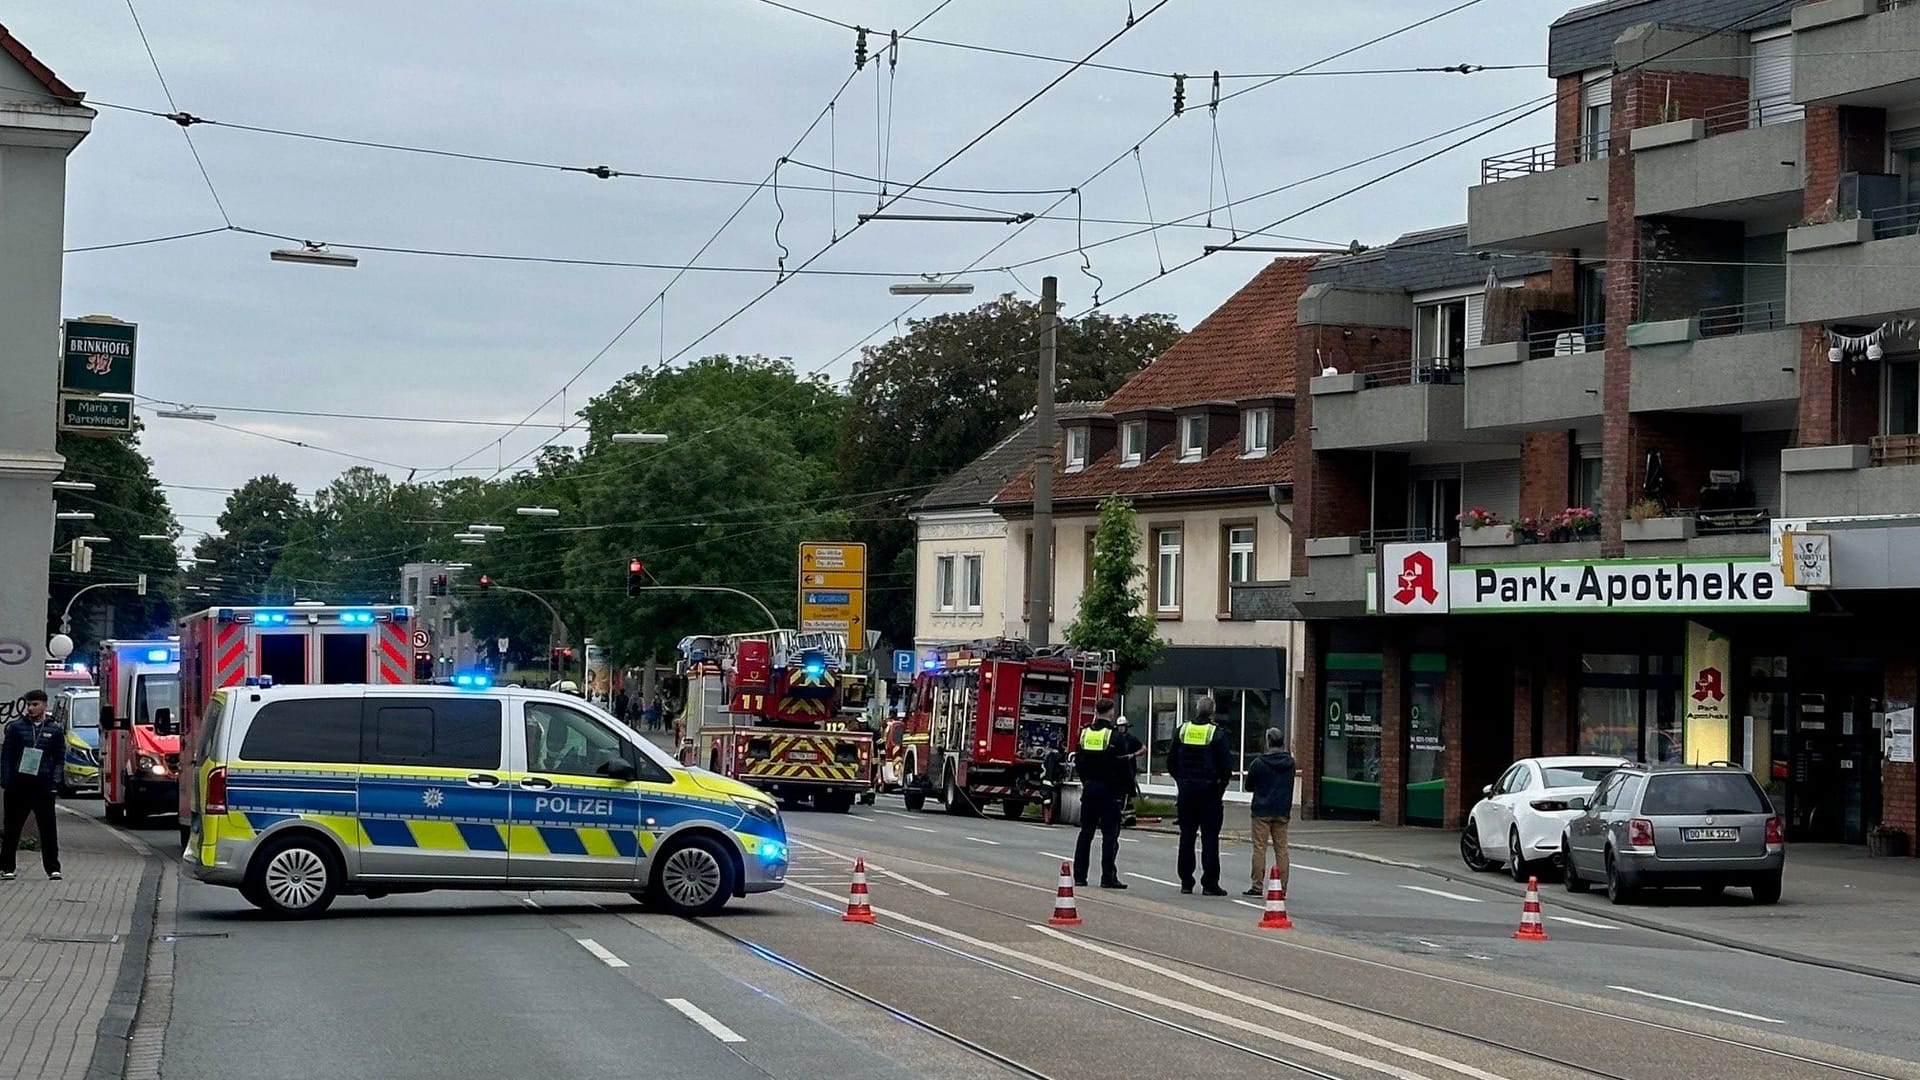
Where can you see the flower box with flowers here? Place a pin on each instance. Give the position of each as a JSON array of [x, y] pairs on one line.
[[1575, 523], [1483, 528]]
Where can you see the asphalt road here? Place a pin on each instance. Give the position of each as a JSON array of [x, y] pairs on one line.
[[1388, 973]]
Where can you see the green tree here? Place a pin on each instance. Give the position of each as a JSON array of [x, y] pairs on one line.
[[237, 564], [127, 503], [1110, 615], [363, 527], [933, 399]]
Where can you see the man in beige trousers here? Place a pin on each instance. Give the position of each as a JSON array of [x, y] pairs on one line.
[[1270, 779]]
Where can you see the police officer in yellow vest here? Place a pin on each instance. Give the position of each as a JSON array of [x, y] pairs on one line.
[[1201, 767], [1102, 787]]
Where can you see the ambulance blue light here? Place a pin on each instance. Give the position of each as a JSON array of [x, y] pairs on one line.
[[158, 656], [271, 618], [401, 614], [357, 618]]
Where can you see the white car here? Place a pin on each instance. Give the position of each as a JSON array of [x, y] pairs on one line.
[[1519, 823]]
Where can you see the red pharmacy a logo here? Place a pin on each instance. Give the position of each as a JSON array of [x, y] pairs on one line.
[[1416, 580]]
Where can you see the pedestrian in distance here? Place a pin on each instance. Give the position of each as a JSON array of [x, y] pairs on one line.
[[1130, 750], [32, 756], [1270, 778], [1102, 786], [1202, 769], [652, 715]]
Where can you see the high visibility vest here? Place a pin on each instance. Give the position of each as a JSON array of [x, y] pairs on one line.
[[1095, 739], [1196, 734]]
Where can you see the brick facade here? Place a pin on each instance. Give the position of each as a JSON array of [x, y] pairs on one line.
[[1306, 748], [1900, 781], [1623, 294], [1546, 467], [1453, 762]]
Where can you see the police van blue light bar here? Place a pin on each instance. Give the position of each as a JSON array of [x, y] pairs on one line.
[[473, 681]]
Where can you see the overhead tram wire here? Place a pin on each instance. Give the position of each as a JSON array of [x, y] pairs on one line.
[[167, 91]]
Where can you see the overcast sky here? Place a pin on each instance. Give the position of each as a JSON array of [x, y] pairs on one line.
[[710, 88]]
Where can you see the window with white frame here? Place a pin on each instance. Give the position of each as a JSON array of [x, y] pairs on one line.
[[1193, 438], [943, 583], [1440, 334], [970, 581], [1133, 442], [1256, 431], [1076, 449], [1167, 567], [1239, 554], [1596, 113]]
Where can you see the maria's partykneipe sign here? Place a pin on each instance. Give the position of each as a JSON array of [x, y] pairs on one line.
[[1417, 579]]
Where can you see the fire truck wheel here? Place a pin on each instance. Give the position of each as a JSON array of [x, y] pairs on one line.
[[915, 800], [957, 801], [1013, 809]]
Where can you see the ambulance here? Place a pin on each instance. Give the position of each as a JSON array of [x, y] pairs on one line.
[[295, 645], [140, 718]]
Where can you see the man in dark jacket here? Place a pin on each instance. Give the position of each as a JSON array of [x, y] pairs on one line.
[[1200, 765], [1102, 786], [1270, 778], [31, 758]]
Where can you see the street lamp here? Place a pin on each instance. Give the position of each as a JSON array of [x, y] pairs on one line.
[[470, 536], [537, 511], [155, 536], [186, 413], [476, 542], [74, 515], [486, 528], [647, 437], [932, 288], [72, 485], [314, 254], [95, 539]]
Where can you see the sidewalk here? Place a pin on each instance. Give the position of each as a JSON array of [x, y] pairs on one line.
[[72, 954], [1839, 908]]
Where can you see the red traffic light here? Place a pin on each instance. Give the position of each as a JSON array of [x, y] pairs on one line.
[[635, 566], [486, 582]]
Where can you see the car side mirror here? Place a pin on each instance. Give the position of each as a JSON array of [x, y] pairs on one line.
[[620, 769], [1488, 790], [1578, 802]]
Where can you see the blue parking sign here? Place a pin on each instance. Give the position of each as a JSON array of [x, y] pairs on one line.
[[903, 661]]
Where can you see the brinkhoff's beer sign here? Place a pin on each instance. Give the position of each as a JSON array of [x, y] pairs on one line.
[[1416, 579]]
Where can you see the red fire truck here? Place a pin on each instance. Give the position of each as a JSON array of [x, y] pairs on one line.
[[988, 719], [782, 712], [140, 712], [305, 643]]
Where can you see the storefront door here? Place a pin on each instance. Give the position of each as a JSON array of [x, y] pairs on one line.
[[1836, 764]]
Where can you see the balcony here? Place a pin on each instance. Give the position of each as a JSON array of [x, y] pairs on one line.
[[1723, 359], [1854, 270], [1547, 197], [1856, 52], [1550, 377], [1852, 481], [1419, 405], [1738, 160]]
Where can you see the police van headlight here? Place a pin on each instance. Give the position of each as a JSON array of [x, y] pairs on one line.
[[765, 811]]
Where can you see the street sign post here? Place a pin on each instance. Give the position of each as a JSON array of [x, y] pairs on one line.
[[98, 357], [833, 589], [96, 415]]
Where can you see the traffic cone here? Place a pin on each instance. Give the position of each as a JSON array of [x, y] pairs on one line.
[[1276, 914], [858, 909], [1531, 928], [1064, 913]]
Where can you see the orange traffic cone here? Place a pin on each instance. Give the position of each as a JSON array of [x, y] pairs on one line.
[[858, 909], [1530, 925], [1276, 914], [1064, 913]]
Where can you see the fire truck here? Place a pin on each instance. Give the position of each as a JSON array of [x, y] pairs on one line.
[[301, 644], [140, 712], [994, 721], [783, 712]]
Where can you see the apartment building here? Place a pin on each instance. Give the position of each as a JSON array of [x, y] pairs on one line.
[[441, 646], [1553, 519], [1199, 441]]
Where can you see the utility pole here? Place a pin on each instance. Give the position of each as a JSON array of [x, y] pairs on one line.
[[1040, 569]]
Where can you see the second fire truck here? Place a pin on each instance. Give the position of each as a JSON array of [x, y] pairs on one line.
[[140, 714], [994, 721], [782, 712]]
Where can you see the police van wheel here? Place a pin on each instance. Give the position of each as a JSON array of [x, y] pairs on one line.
[[297, 877], [692, 878]]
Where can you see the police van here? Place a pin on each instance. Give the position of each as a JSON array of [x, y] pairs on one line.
[[302, 793]]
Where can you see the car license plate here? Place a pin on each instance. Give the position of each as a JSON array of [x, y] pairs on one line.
[[802, 755], [1710, 834]]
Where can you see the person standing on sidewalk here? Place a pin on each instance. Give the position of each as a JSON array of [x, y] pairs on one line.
[[1201, 767], [1270, 778], [1102, 786], [31, 757], [1128, 748]]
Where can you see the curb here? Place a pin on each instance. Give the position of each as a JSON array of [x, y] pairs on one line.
[[109, 1059]]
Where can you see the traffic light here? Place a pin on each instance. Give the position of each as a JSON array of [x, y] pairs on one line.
[[485, 583], [635, 571]]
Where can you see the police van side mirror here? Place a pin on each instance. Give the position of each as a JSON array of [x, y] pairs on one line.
[[620, 769]]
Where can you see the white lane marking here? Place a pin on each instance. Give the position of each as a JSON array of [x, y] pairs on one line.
[[942, 867], [1263, 1004], [1051, 855], [1695, 1004], [989, 843], [1155, 880], [1583, 922], [699, 1016], [600, 951], [919, 828], [1318, 869], [1441, 893], [1031, 825], [1249, 903], [1263, 1030], [1129, 840], [905, 880], [529, 901], [893, 813], [1429, 944]]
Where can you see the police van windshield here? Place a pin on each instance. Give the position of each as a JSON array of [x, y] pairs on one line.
[[83, 711], [153, 693]]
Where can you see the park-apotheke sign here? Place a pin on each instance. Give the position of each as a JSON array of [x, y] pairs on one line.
[[1417, 579]]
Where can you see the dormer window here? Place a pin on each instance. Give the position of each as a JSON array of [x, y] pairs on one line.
[[1256, 432], [1193, 437], [1133, 442], [1076, 449]]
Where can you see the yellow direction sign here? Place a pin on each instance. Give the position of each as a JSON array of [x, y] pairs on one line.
[[833, 590]]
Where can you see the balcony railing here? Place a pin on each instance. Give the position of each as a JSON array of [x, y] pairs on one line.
[[1743, 318], [1535, 159], [1728, 521], [1894, 450], [1419, 534], [1900, 5], [1567, 341], [1890, 221], [1654, 106]]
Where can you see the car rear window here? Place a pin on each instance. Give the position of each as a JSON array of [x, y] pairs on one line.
[[1704, 793], [1576, 775]]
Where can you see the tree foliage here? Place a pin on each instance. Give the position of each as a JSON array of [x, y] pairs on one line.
[[237, 564], [127, 504], [1110, 615], [935, 398]]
